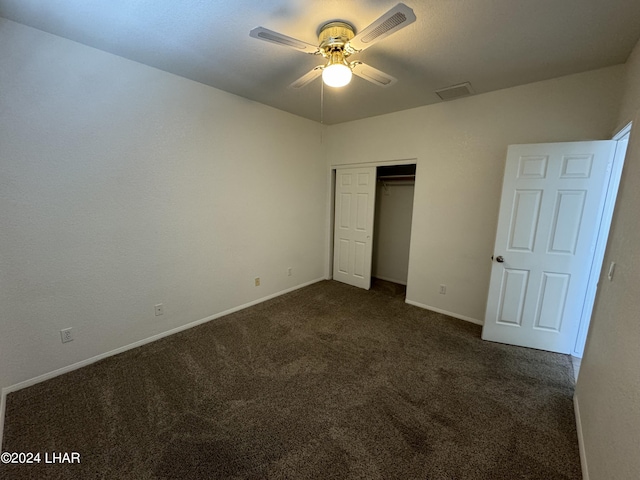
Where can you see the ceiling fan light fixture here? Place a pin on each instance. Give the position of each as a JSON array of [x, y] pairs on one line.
[[336, 75]]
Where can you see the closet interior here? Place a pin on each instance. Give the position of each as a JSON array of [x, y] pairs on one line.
[[392, 224]]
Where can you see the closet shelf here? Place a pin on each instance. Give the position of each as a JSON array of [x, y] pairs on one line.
[[396, 177]]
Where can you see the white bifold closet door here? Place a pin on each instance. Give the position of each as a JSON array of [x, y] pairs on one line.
[[353, 229]]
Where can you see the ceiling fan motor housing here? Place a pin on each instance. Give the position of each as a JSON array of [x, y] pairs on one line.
[[334, 36]]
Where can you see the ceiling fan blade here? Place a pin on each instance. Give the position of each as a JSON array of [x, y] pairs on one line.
[[373, 75], [307, 77], [395, 19], [267, 35]]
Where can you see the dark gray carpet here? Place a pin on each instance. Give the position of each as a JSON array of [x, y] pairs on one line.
[[327, 382]]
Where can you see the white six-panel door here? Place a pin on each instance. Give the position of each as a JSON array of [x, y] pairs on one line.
[[550, 211], [353, 229]]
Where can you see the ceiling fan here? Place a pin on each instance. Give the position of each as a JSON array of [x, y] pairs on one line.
[[337, 42]]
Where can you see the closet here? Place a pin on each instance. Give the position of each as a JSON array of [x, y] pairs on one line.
[[392, 222]]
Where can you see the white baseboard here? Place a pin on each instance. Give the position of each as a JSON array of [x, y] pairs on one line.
[[450, 314], [139, 343], [583, 454]]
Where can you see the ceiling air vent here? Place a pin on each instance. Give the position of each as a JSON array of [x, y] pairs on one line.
[[455, 91]]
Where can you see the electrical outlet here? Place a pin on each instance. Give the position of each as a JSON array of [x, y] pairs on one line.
[[159, 309], [289, 271], [257, 281], [66, 335], [443, 289]]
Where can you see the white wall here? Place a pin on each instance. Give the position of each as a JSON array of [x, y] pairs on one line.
[[392, 232], [460, 148], [608, 390], [123, 186]]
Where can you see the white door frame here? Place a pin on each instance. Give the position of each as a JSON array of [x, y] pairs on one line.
[[603, 235], [332, 198]]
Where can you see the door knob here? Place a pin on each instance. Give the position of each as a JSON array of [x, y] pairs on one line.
[[499, 259]]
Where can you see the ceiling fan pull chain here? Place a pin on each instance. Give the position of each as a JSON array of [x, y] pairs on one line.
[[321, 103]]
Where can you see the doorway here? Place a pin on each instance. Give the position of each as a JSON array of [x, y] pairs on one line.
[[395, 185], [622, 140], [550, 242]]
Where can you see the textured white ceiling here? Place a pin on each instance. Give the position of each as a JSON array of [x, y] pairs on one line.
[[493, 44]]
